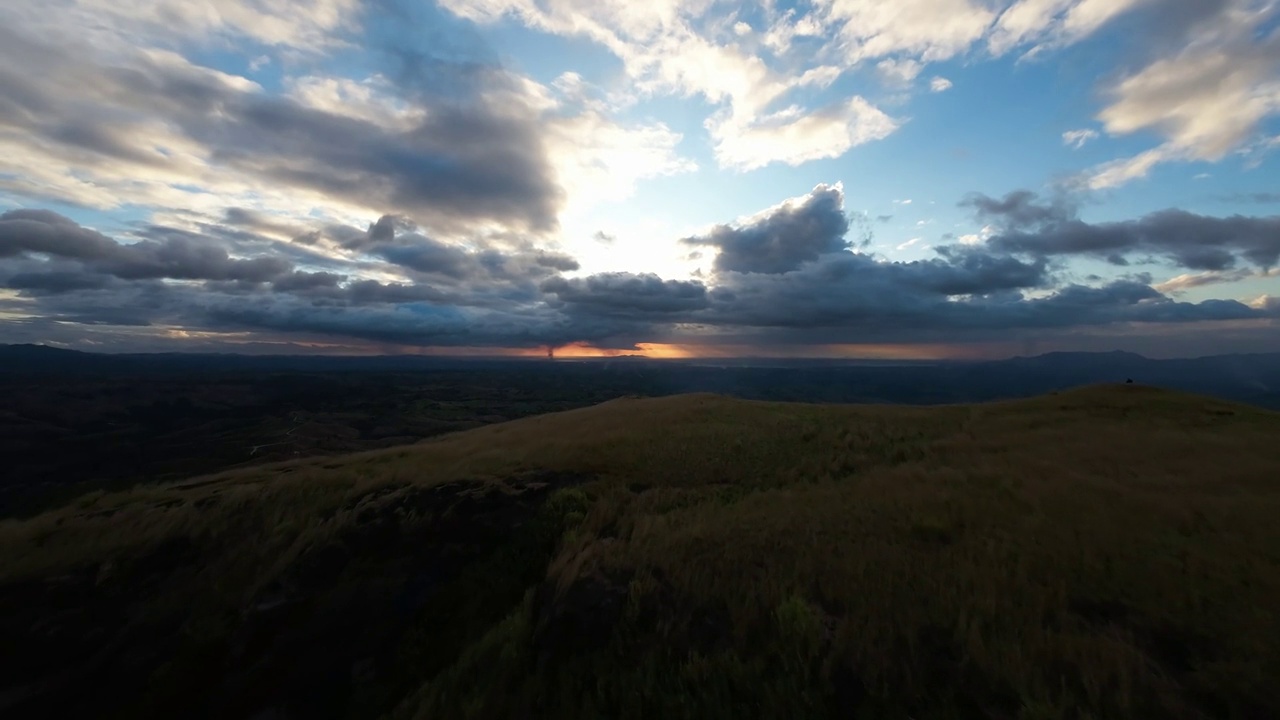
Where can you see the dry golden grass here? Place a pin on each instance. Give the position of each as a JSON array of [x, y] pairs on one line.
[[1109, 552]]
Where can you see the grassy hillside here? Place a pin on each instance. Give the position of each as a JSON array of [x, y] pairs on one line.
[[1109, 552]]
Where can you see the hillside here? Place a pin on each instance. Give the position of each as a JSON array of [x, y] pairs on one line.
[[1107, 552]]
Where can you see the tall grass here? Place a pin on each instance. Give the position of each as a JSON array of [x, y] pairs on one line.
[[1101, 553]]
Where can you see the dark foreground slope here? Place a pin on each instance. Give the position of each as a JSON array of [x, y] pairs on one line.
[[1110, 552]]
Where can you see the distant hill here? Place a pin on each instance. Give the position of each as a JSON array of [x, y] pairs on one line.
[[1243, 378], [1102, 552], [43, 358]]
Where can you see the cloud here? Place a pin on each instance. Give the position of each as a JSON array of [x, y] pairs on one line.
[[849, 297], [166, 281], [1020, 209], [763, 86], [622, 293], [1205, 100], [457, 142], [963, 294], [301, 281], [785, 275], [1053, 23], [870, 29], [1125, 170], [899, 71], [26, 232], [792, 137], [1188, 281], [162, 125], [784, 237], [1195, 242], [758, 116], [1078, 138], [302, 24]]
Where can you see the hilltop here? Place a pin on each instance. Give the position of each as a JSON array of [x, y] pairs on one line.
[[1104, 552]]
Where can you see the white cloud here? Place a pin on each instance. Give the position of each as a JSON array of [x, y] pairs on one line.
[[979, 237], [1078, 138], [1187, 281], [1086, 16], [793, 137], [759, 83], [910, 244], [899, 72], [905, 201], [874, 29], [1022, 21], [1265, 302], [759, 119], [785, 28], [370, 100], [1119, 172], [1207, 100], [305, 25], [1053, 22]]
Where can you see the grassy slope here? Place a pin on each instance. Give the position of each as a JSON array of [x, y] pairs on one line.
[[1108, 552]]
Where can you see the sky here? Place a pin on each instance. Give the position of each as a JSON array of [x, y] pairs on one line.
[[817, 178]]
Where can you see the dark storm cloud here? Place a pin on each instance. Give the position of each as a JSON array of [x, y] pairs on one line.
[[1196, 242], [372, 292], [476, 156], [384, 230], [974, 272], [488, 296], [806, 285], [515, 297], [427, 256], [628, 294], [44, 231], [1019, 209], [58, 281], [785, 238], [296, 281], [858, 290], [848, 296], [179, 258], [853, 301], [400, 242], [556, 261]]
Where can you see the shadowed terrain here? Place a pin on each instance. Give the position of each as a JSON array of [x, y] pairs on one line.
[[135, 419], [1105, 552]]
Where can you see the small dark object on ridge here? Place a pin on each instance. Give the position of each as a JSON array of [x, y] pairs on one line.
[[1128, 381]]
